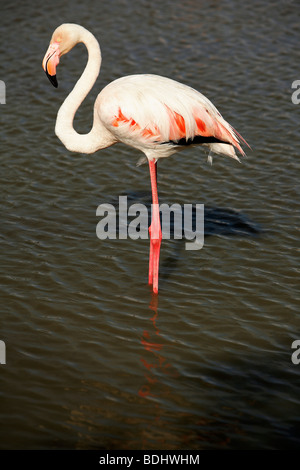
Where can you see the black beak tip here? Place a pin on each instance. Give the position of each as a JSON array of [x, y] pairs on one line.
[[52, 79]]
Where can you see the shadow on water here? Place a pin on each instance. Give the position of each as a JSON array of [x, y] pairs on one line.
[[217, 220], [220, 221]]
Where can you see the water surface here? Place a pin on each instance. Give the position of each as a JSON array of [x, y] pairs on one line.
[[93, 361]]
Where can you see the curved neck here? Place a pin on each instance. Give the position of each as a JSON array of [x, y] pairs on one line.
[[84, 143]]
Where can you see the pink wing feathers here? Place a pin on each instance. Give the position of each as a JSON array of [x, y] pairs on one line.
[[150, 111]]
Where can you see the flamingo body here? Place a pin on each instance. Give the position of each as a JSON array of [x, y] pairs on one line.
[[151, 113], [160, 116]]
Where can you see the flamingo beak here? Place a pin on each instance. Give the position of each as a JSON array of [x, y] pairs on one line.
[[50, 62]]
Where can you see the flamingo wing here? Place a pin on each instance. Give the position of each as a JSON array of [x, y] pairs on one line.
[[146, 111]]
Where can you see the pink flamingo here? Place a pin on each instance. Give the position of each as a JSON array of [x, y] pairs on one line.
[[154, 114]]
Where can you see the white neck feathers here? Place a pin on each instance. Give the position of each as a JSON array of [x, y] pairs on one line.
[[97, 137]]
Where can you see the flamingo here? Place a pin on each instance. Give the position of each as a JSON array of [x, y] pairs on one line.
[[154, 114]]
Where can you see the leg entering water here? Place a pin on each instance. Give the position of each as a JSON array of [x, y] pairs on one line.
[[154, 231]]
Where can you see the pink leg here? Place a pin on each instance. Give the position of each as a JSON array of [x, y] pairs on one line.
[[154, 231]]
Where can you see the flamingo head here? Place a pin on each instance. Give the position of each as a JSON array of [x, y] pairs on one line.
[[64, 38]]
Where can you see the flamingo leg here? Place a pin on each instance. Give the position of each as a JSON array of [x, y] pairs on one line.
[[154, 231]]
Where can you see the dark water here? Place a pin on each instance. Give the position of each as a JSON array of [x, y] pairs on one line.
[[92, 360]]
